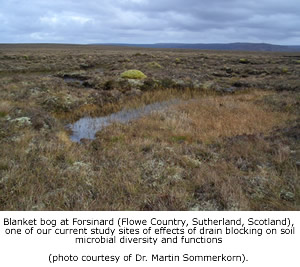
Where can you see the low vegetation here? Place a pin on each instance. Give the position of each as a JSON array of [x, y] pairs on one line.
[[229, 142], [133, 74], [154, 65]]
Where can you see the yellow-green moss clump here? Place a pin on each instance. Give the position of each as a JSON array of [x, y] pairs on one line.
[[154, 65], [244, 61], [133, 74], [177, 60]]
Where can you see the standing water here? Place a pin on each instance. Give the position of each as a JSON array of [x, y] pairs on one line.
[[87, 127]]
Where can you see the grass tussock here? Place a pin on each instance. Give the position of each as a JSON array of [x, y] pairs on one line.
[[5, 107]]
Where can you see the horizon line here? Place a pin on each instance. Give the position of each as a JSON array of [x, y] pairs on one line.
[[122, 43]]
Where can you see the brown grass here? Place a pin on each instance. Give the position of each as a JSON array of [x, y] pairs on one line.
[[211, 118], [211, 151], [172, 153], [218, 117], [181, 158], [5, 107]]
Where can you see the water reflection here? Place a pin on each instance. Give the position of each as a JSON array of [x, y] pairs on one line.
[[87, 127]]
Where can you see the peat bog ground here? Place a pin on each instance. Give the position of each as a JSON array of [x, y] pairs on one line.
[[227, 140]]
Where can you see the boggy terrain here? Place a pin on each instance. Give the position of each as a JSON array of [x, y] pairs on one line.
[[228, 139]]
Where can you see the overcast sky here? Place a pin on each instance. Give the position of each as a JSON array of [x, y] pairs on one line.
[[150, 21]]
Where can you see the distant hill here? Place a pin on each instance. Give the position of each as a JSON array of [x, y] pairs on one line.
[[230, 46]]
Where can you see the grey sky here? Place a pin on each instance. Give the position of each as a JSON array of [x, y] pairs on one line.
[[150, 21]]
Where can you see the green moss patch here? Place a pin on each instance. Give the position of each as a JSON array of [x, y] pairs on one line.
[[244, 61], [133, 74], [2, 114], [154, 65]]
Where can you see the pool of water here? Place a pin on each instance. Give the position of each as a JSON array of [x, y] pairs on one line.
[[87, 127], [68, 79]]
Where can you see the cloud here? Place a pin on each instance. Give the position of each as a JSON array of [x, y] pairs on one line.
[[64, 19], [150, 21]]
